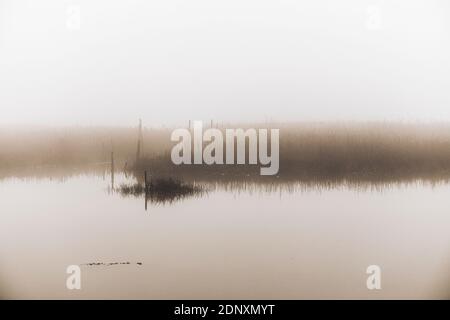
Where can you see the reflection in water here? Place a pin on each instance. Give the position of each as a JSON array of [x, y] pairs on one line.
[[238, 179], [244, 238], [169, 189], [161, 190]]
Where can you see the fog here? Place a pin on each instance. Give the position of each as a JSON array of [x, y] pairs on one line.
[[101, 62]]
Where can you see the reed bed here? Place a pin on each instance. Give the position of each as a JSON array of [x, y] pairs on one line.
[[308, 152]]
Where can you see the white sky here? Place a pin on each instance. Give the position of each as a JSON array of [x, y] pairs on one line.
[[168, 61]]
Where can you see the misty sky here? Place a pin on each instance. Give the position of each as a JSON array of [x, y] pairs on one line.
[[110, 62]]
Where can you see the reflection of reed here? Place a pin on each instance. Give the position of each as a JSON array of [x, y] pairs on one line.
[[170, 187], [258, 184], [162, 190], [296, 177], [307, 186], [244, 178]]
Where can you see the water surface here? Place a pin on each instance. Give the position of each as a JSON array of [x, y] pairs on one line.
[[239, 243]]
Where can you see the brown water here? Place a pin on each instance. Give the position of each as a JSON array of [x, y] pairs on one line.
[[305, 243]]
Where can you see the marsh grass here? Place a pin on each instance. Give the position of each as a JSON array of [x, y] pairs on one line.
[[365, 152], [309, 152]]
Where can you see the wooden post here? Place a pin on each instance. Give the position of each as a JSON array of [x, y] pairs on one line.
[[112, 170], [145, 189], [145, 182], [140, 143]]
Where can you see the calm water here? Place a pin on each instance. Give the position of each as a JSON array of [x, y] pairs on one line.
[[308, 243]]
